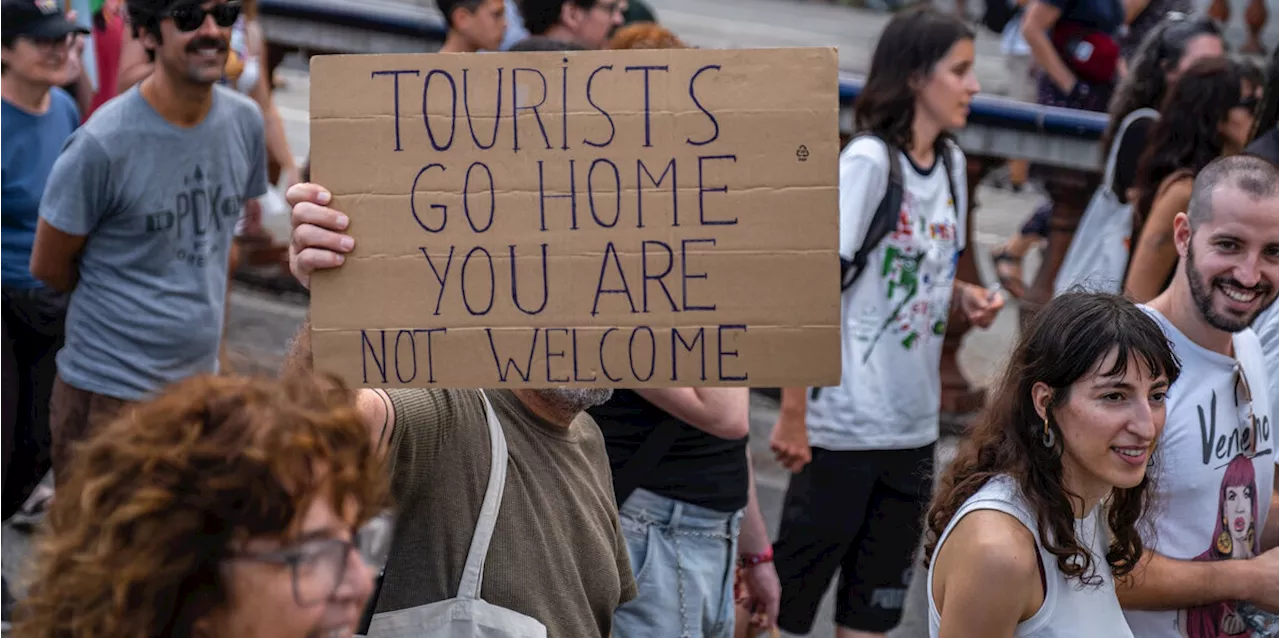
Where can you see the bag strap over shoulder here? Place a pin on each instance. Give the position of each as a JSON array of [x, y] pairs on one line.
[[882, 222], [473, 572], [885, 218], [1113, 153]]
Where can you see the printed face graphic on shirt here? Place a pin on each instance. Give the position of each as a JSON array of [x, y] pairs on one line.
[[198, 217], [919, 260], [1234, 537]]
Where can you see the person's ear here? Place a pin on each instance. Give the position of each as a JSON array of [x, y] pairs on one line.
[[1041, 397], [1182, 234], [570, 14], [460, 18], [150, 41], [915, 82]]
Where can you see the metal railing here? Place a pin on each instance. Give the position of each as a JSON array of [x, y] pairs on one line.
[[998, 127]]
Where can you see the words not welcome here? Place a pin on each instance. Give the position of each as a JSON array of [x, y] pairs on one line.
[[620, 218]]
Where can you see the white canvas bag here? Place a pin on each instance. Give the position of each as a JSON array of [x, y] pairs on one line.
[[467, 615], [1099, 250]]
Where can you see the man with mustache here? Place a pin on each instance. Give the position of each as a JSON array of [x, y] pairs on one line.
[[1219, 416], [557, 557], [137, 223]]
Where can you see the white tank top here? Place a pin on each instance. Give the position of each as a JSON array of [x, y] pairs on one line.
[[1070, 610]]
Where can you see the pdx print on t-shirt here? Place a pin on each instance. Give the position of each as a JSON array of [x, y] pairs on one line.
[[157, 204]]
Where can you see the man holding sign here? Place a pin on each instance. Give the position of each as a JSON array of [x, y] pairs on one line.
[[557, 554], [549, 226]]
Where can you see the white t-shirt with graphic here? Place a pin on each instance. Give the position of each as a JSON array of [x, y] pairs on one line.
[[1213, 499], [1267, 325], [895, 316]]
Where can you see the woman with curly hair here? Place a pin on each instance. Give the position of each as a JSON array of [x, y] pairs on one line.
[[1039, 512], [1209, 114], [224, 507]]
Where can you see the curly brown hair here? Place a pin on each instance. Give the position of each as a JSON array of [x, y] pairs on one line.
[[157, 500], [644, 35], [1070, 338]]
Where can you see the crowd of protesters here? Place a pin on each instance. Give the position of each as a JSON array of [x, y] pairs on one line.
[[1120, 482]]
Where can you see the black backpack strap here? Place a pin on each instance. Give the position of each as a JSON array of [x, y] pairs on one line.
[[645, 460], [883, 221]]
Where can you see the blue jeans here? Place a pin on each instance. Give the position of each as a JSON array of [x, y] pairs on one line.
[[683, 557]]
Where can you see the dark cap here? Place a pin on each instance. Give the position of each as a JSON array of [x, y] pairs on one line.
[[41, 19]]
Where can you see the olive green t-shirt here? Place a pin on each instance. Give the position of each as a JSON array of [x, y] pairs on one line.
[[557, 555]]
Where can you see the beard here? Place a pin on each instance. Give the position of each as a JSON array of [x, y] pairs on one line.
[[1202, 296], [574, 400]]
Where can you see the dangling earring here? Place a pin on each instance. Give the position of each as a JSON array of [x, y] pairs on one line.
[[1047, 439], [1224, 539]]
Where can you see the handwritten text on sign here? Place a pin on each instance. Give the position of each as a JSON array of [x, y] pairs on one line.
[[620, 218]]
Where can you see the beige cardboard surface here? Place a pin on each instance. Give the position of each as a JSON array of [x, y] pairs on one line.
[[620, 218]]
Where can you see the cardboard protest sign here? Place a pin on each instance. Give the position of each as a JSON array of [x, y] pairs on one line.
[[605, 218]]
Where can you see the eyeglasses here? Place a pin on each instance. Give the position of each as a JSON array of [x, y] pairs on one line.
[[611, 8], [189, 17], [1249, 102], [318, 567]]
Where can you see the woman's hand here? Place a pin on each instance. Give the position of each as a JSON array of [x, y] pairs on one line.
[[979, 305]]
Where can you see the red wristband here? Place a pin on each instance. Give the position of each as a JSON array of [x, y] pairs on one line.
[[751, 560]]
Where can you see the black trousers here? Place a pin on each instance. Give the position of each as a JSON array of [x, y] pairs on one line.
[[34, 322]]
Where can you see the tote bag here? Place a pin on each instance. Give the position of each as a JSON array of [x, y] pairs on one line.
[[467, 615], [1099, 251]]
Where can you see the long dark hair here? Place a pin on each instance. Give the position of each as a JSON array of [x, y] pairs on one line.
[[1070, 337], [1161, 51], [909, 48], [1187, 134], [1268, 114]]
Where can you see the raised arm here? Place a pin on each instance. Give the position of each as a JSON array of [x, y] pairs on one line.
[[719, 412], [374, 406]]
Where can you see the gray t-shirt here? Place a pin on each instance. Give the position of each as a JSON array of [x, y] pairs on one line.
[[158, 204]]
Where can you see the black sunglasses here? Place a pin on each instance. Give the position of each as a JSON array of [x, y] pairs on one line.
[[189, 17]]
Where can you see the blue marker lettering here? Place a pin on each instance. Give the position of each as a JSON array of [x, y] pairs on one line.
[[617, 192], [395, 95], [413, 208], [590, 100], [703, 189]]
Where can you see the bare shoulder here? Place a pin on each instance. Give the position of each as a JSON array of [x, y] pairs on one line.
[[1176, 191], [993, 542], [986, 575]]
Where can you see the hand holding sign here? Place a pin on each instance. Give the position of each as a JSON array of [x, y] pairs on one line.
[[319, 240], [621, 218]]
